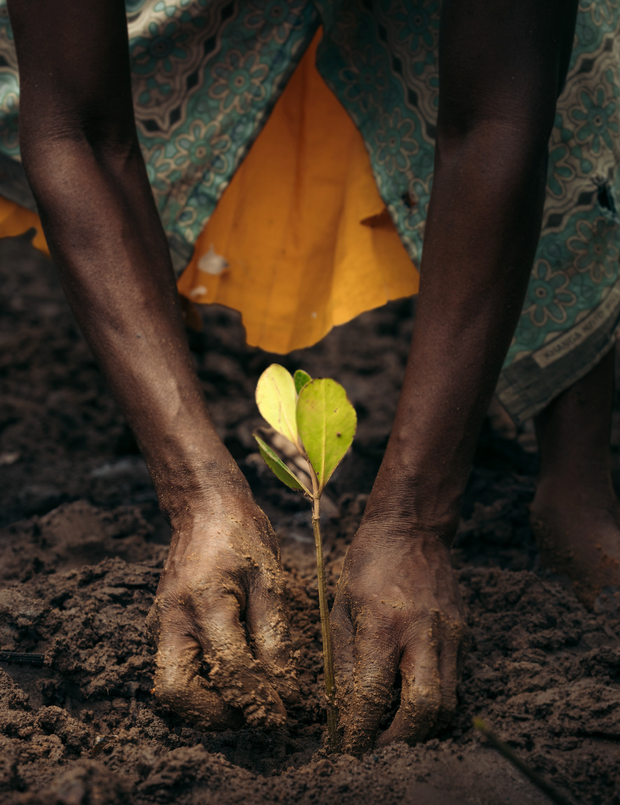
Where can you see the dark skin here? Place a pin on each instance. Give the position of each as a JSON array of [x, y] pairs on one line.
[[576, 514], [502, 64]]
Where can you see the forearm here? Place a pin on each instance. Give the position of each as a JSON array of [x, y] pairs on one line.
[[502, 65], [108, 245], [480, 241]]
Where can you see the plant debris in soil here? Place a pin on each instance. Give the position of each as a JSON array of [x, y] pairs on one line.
[[82, 546]]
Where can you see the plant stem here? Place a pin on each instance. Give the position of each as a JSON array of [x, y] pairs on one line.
[[328, 661]]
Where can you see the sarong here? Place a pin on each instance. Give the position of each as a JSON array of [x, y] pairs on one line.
[[309, 170]]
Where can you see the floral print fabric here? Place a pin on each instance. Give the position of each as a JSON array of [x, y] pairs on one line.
[[206, 74]]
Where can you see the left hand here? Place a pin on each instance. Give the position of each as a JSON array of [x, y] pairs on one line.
[[220, 600]]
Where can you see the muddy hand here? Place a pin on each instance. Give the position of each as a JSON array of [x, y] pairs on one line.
[[224, 651], [397, 608]]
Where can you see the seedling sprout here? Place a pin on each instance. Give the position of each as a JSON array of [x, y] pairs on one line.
[[318, 419]]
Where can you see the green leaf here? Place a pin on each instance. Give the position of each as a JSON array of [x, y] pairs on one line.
[[326, 421], [301, 378], [279, 468], [276, 398]]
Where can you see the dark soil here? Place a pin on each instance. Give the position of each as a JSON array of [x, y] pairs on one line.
[[82, 545]]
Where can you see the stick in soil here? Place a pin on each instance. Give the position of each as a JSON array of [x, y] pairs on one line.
[[23, 658], [540, 782]]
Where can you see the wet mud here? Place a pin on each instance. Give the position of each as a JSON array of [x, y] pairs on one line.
[[82, 546]]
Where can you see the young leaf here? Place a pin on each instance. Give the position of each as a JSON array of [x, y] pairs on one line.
[[279, 468], [276, 398], [301, 378], [326, 421]]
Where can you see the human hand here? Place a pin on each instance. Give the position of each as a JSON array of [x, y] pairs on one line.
[[220, 602], [397, 607]]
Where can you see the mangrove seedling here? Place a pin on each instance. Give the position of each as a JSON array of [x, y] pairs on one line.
[[318, 419]]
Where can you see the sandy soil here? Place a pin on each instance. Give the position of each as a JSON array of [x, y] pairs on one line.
[[82, 545]]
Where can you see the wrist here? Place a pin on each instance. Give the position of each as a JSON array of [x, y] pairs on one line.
[[415, 507], [192, 490]]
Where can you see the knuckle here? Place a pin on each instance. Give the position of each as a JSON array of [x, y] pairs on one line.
[[221, 597], [448, 629], [426, 702], [167, 686], [273, 645], [169, 615], [166, 602], [373, 696], [381, 617]]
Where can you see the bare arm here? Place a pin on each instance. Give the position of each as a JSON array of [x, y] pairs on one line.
[[502, 64], [81, 154], [82, 157]]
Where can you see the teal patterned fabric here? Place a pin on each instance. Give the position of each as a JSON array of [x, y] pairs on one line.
[[206, 74]]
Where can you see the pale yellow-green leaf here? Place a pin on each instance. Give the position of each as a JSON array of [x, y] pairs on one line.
[[326, 421], [276, 398]]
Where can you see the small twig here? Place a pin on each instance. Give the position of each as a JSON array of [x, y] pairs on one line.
[[540, 782], [22, 658]]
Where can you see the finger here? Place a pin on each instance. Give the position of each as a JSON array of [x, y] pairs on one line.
[[449, 674], [456, 645], [376, 661], [237, 675], [420, 697], [269, 630], [179, 685]]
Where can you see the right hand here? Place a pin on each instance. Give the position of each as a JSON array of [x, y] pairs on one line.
[[220, 602], [397, 608]]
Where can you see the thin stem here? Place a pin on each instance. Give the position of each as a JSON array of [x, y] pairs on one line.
[[328, 660]]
